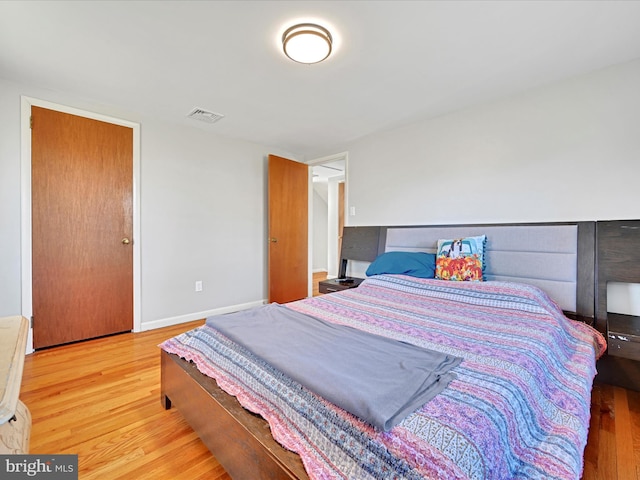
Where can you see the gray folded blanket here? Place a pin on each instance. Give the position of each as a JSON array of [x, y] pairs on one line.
[[378, 379]]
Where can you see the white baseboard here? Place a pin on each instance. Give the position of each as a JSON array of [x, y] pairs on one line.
[[167, 322]]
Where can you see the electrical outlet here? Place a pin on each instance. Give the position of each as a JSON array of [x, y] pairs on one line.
[[199, 286]]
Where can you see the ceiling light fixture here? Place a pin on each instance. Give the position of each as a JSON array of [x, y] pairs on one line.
[[307, 43]]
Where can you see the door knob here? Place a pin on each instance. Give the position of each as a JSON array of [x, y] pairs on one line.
[[126, 241], [274, 240]]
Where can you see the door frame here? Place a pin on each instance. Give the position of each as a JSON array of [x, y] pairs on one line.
[[333, 248], [25, 209]]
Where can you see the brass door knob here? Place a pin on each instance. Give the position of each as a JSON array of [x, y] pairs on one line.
[[274, 240], [126, 241]]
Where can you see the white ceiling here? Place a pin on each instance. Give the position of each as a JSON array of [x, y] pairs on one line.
[[326, 170], [394, 62]]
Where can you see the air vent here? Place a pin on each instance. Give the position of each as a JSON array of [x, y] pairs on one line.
[[204, 115]]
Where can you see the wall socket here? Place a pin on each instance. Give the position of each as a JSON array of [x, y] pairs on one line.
[[199, 286]]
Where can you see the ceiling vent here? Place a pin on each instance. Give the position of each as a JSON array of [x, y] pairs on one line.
[[204, 115]]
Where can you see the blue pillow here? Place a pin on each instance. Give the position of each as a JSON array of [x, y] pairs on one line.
[[416, 264]]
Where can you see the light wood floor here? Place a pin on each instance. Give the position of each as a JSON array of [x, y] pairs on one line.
[[100, 399], [318, 277]]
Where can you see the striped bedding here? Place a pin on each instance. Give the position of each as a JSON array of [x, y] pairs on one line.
[[519, 407]]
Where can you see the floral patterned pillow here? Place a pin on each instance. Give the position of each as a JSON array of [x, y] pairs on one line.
[[460, 259]]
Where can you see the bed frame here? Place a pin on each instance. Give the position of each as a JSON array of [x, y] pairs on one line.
[[242, 441]]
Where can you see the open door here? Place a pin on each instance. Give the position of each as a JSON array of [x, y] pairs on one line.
[[288, 257]]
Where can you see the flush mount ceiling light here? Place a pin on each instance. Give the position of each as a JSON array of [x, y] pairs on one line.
[[307, 43]]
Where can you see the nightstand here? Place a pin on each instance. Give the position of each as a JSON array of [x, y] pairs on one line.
[[337, 284]]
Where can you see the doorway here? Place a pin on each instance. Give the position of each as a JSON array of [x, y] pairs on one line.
[[328, 212], [27, 205]]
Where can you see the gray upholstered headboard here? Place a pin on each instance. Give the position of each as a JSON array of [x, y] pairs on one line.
[[556, 257]]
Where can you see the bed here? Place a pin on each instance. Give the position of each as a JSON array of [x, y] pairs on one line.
[[517, 407]]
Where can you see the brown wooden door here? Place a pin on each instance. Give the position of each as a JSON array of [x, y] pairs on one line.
[[288, 230], [82, 212]]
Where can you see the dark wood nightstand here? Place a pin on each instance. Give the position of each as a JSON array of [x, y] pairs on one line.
[[337, 284]]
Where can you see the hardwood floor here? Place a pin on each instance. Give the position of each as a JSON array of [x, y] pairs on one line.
[[613, 446], [317, 278], [100, 399]]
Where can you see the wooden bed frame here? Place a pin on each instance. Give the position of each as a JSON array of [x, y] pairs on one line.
[[242, 441]]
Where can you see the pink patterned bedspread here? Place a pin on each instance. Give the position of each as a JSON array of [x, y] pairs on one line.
[[519, 407]]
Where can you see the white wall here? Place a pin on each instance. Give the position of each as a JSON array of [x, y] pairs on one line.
[[202, 214], [10, 303], [569, 151], [203, 218], [320, 226]]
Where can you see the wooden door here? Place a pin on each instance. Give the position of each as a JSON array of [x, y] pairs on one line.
[[82, 221], [288, 230]]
